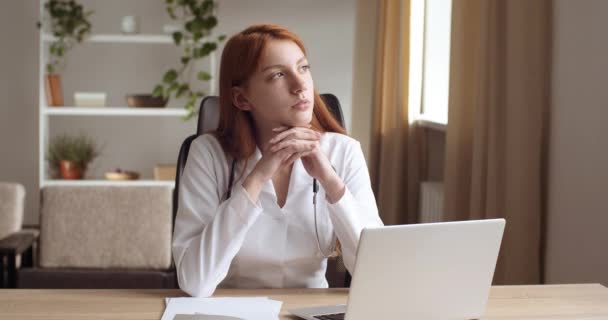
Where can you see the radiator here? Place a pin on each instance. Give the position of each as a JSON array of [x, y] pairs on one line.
[[431, 201]]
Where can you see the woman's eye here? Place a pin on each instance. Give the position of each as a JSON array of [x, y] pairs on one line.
[[305, 67], [277, 75]]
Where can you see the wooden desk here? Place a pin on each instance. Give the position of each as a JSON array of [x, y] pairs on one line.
[[588, 301]]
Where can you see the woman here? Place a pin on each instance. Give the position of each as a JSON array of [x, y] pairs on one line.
[[277, 139]]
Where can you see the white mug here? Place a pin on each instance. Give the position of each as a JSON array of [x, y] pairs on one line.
[[130, 24]]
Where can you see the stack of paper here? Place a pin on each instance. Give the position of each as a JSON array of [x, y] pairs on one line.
[[250, 308]]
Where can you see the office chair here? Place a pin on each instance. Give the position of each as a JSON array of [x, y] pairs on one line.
[[208, 119]]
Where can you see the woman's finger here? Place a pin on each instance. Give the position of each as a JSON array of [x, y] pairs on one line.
[[295, 145], [296, 156], [284, 153], [291, 158], [290, 141], [292, 130], [296, 133]]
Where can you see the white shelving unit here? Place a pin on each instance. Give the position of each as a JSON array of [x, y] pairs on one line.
[[122, 38], [131, 183], [45, 112], [114, 111]]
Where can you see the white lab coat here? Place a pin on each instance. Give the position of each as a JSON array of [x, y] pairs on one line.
[[239, 243]]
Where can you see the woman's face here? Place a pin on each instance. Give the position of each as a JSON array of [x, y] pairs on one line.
[[280, 92]]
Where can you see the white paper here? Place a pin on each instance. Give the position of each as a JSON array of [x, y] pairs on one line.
[[249, 308], [202, 317]]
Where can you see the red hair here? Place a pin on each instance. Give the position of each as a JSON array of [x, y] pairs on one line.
[[240, 60]]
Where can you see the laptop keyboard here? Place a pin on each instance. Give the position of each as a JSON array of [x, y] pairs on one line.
[[335, 316]]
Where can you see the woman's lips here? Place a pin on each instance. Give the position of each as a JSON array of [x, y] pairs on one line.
[[302, 105]]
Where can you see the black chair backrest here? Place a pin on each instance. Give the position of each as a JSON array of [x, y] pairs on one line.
[[208, 119], [209, 112]]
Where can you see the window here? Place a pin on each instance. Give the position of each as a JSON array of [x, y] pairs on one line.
[[429, 79]]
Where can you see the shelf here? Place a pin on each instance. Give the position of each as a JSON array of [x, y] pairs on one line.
[[130, 183], [114, 111], [122, 38]]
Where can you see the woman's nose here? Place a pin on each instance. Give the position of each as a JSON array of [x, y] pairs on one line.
[[298, 84]]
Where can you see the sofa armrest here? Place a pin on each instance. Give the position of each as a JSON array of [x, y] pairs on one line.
[[16, 243], [11, 246]]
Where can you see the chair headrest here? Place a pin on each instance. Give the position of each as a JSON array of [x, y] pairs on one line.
[[209, 112]]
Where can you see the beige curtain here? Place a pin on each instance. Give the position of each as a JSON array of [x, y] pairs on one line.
[[394, 166], [496, 136]]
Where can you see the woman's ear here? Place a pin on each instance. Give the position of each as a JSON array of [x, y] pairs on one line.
[[239, 99]]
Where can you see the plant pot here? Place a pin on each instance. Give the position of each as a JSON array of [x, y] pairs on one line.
[[71, 170], [52, 87]]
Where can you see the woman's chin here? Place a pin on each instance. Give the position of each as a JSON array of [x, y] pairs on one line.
[[300, 120]]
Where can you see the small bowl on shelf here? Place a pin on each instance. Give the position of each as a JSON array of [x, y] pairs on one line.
[[119, 175], [145, 101]]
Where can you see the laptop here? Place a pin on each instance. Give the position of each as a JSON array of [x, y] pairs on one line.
[[420, 271]]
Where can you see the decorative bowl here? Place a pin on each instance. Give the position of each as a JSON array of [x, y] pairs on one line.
[[145, 101], [119, 175]]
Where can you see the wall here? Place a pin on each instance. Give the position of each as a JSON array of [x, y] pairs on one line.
[[363, 73], [577, 231], [19, 102]]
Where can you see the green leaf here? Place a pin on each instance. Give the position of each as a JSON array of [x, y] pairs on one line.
[[211, 22], [190, 108], [197, 25], [171, 13], [185, 60], [177, 37], [191, 5], [210, 46], [182, 89], [170, 76], [188, 116], [207, 4], [221, 38], [203, 76], [158, 91], [172, 88]]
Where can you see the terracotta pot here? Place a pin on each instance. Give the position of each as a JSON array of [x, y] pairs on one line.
[[54, 93], [71, 170]]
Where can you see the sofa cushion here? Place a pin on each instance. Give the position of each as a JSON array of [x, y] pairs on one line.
[[106, 227]]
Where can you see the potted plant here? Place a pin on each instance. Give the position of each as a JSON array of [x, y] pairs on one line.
[[198, 20], [69, 156], [68, 23]]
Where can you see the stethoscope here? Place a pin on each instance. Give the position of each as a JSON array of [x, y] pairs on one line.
[[315, 190]]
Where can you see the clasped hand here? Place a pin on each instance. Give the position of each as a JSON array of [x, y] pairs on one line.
[[291, 144]]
